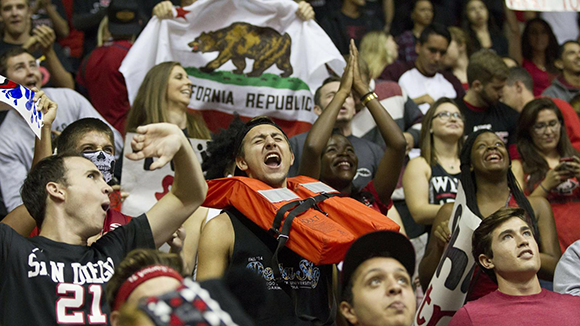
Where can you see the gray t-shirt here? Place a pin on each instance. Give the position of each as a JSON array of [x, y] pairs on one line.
[[369, 155]]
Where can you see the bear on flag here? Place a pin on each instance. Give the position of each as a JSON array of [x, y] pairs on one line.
[[253, 57]]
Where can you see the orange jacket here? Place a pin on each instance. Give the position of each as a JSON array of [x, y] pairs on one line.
[[321, 234]]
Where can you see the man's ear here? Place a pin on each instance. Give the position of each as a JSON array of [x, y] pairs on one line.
[[559, 64], [114, 317], [418, 47], [317, 110], [476, 86], [348, 312], [56, 190], [291, 157], [241, 163], [519, 86], [486, 262]]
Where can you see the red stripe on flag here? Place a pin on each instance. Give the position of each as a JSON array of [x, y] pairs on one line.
[[216, 120]]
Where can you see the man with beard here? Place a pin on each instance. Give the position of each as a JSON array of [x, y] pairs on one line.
[[481, 106]]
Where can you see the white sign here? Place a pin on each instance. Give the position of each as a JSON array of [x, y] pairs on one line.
[[146, 187], [19, 98], [544, 5], [448, 287]]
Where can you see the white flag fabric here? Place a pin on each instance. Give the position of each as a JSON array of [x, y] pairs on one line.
[[254, 57], [543, 5], [145, 186], [19, 98]]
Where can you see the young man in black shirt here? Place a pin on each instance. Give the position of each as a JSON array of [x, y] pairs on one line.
[[481, 106], [56, 278]]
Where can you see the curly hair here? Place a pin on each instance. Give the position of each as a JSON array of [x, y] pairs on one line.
[[219, 155]]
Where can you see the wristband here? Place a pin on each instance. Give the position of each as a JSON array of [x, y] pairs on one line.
[[543, 188], [368, 97]]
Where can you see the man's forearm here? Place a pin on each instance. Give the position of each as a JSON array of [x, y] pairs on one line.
[[59, 76], [43, 146], [189, 185], [59, 24]]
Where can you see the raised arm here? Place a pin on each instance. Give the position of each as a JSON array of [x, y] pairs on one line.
[[437, 242], [416, 187], [387, 174], [167, 142], [19, 218], [549, 246], [322, 128]]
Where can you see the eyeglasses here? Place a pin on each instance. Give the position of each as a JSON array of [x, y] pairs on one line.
[[446, 115], [540, 128]]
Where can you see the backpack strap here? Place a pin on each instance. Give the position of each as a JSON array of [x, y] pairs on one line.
[[298, 207]]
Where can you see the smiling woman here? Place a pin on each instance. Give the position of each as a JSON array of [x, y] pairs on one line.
[[490, 185], [163, 97], [549, 166]]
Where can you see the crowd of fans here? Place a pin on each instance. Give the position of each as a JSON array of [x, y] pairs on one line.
[[442, 91]]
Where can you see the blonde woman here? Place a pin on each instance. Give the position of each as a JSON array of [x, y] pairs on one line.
[[431, 179], [163, 97], [378, 50]]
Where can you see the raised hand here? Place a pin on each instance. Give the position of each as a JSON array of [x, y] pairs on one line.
[[45, 37], [163, 10], [45, 105], [360, 87], [305, 11], [162, 140]]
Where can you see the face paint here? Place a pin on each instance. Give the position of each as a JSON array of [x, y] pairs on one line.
[[105, 162]]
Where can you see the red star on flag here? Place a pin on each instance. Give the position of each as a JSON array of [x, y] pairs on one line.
[[181, 12]]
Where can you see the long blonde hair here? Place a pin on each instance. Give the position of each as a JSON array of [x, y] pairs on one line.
[[150, 105], [374, 52]]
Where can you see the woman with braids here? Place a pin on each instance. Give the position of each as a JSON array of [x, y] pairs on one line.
[[489, 185], [330, 157], [549, 166]]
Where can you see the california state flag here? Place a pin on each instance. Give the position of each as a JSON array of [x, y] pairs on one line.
[[254, 57]]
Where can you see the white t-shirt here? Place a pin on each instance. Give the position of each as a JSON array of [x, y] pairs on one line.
[[416, 85]]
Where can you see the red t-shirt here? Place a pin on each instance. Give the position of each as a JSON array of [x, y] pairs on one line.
[[542, 79], [498, 309], [99, 74]]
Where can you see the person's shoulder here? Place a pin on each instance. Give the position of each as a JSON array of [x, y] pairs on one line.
[[419, 163], [555, 297], [506, 109], [395, 70], [387, 89]]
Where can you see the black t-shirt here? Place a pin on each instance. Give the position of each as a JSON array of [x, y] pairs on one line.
[[254, 248], [41, 16], [499, 118], [341, 28], [43, 282]]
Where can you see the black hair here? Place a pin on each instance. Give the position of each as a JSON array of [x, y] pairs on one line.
[[563, 47], [328, 80], [13, 52], [219, 154], [551, 52], [437, 29], [68, 140], [33, 191], [482, 236], [256, 121], [470, 187], [522, 75]]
